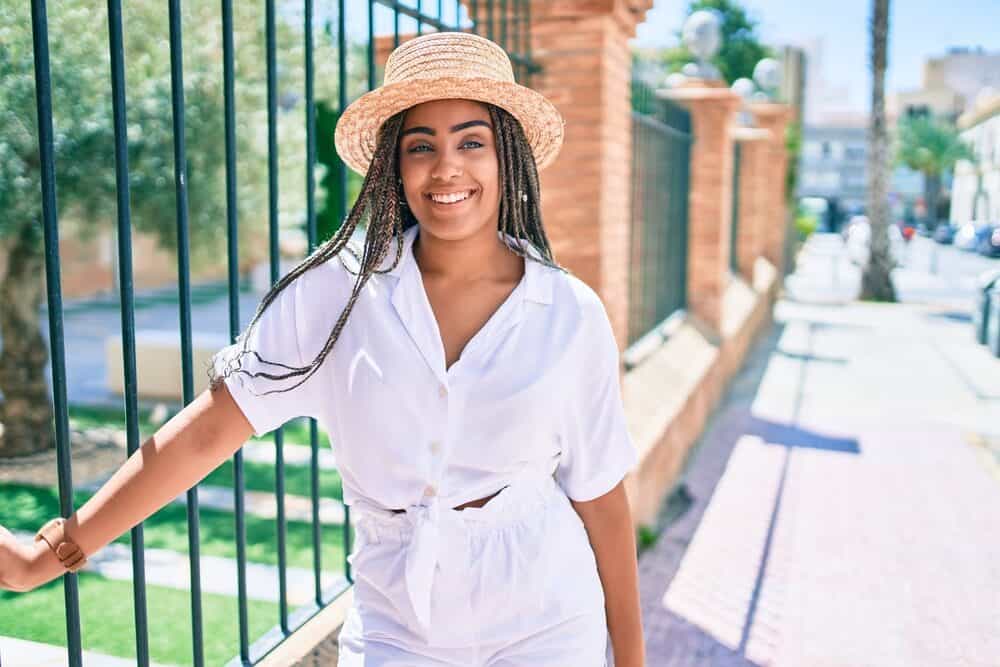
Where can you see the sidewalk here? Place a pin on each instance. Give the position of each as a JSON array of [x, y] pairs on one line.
[[844, 501], [21, 653]]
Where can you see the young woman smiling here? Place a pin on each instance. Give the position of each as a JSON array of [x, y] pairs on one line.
[[470, 387]]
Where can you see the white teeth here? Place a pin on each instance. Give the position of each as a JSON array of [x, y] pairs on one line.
[[451, 198]]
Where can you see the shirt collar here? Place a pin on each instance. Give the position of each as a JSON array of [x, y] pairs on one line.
[[537, 277]]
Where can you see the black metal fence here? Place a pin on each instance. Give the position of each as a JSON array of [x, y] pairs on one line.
[[504, 21], [661, 140], [734, 230]]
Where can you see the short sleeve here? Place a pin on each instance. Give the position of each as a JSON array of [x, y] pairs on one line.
[[597, 451], [272, 346]]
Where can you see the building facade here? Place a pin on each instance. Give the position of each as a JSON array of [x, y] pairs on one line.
[[834, 165], [950, 84], [975, 190]]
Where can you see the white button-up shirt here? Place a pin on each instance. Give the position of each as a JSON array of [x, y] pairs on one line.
[[535, 390]]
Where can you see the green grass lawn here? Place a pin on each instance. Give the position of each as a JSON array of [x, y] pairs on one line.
[[27, 508], [85, 416], [260, 477], [257, 476], [107, 620]]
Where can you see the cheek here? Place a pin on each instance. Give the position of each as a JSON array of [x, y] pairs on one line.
[[489, 176], [411, 178]]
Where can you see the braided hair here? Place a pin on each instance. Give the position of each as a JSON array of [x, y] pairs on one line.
[[381, 205]]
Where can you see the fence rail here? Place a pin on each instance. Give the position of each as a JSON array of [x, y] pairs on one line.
[[661, 139], [505, 21]]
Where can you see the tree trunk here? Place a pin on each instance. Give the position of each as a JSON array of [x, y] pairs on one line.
[[876, 282], [26, 411], [932, 190]]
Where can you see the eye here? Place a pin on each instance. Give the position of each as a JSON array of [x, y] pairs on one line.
[[416, 148], [475, 144]]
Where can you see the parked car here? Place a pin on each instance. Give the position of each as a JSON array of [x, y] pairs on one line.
[[845, 231], [968, 235], [859, 236], [945, 233], [988, 243]]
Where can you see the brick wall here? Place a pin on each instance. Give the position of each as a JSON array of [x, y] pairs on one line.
[[774, 118], [583, 50], [755, 172]]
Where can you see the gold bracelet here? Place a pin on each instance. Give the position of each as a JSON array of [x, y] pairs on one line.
[[69, 554]]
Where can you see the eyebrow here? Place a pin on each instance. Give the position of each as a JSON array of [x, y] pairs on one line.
[[423, 129]]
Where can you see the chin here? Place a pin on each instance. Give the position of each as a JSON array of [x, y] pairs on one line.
[[453, 230]]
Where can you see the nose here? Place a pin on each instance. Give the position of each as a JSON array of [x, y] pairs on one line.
[[447, 167]]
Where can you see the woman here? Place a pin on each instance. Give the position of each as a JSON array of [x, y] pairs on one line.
[[469, 385]]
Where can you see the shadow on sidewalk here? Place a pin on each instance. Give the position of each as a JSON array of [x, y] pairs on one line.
[[671, 639]]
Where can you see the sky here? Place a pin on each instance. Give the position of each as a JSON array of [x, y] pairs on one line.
[[918, 29]]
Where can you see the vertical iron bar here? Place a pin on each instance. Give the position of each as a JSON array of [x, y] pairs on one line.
[[519, 36], [489, 19], [395, 23], [685, 175], [117, 52], [420, 17], [503, 25], [184, 298], [735, 224], [233, 278], [53, 283], [311, 240], [341, 214], [527, 42], [274, 257], [475, 16], [371, 44]]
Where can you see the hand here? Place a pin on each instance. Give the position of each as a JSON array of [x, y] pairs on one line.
[[26, 566]]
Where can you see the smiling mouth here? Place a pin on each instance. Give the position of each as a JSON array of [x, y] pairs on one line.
[[450, 198]]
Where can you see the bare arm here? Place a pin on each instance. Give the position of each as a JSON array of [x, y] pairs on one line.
[[178, 456], [608, 520]]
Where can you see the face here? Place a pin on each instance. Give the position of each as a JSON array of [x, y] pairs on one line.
[[448, 163]]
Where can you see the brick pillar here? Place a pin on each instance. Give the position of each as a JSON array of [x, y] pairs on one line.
[[774, 118], [713, 109], [755, 146], [582, 48]]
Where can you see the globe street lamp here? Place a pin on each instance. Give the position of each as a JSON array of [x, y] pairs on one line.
[[702, 35]]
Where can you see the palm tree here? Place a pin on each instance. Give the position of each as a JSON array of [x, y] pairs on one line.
[[931, 147], [876, 281]]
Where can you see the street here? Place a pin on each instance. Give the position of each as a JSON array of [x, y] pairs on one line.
[[845, 497]]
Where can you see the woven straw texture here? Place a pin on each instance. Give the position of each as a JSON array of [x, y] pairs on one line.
[[447, 65]]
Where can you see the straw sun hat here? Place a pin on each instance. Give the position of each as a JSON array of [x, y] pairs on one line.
[[447, 65]]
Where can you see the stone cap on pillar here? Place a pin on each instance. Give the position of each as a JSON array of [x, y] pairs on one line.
[[627, 13], [749, 134], [772, 111], [695, 94]]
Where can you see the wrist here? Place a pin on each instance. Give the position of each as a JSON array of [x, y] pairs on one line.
[[52, 537]]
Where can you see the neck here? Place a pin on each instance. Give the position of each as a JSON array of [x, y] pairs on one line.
[[482, 255]]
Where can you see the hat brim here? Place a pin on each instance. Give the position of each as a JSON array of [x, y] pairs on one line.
[[357, 129]]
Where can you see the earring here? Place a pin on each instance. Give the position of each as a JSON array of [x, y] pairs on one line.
[[522, 195]]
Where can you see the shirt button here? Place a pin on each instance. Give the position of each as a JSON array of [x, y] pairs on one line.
[[430, 492], [442, 391], [436, 447]]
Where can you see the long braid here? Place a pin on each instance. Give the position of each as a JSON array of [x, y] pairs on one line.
[[381, 205]]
